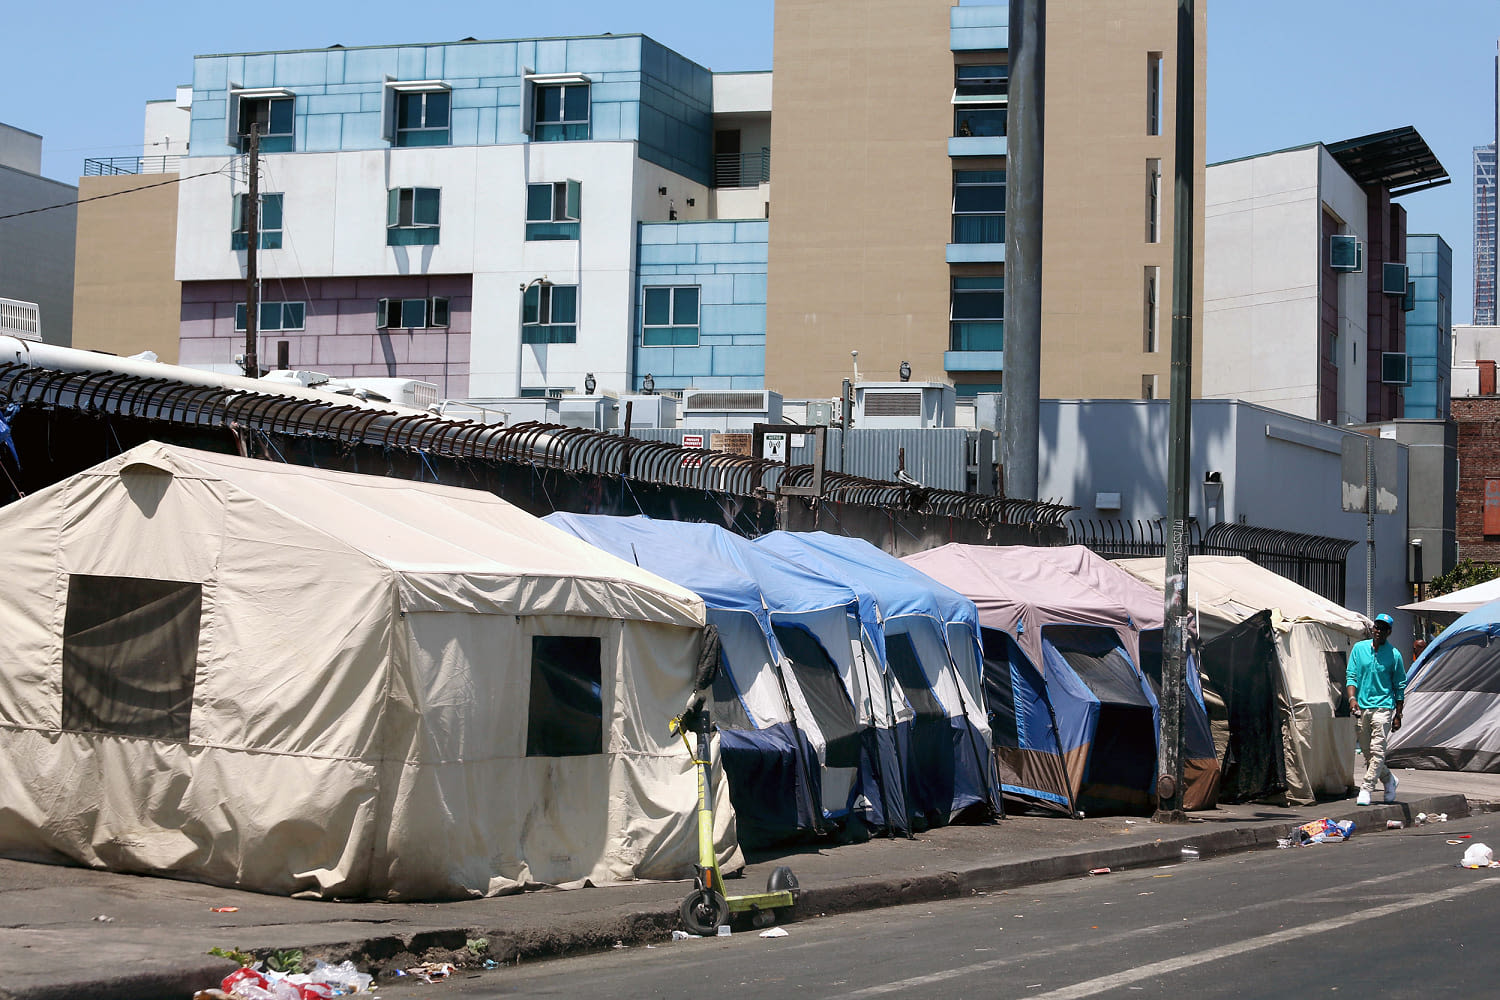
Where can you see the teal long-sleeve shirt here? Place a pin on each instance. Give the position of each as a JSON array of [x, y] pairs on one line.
[[1377, 675]]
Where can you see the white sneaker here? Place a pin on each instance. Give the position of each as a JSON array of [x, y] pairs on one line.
[[1390, 788], [1364, 797]]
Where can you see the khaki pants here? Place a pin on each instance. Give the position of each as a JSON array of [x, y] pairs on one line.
[[1372, 728]]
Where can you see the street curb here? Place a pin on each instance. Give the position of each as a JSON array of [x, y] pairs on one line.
[[586, 934]]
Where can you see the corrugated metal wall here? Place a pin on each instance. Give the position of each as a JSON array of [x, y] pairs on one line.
[[937, 457]]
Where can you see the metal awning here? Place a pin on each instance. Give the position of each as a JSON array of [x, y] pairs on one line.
[[1399, 160]]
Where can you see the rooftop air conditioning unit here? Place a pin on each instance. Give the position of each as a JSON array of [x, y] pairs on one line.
[[730, 409], [596, 412], [401, 391], [654, 411], [904, 404], [22, 320]]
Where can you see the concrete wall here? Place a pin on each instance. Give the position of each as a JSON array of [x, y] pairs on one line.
[[1094, 249], [639, 91], [334, 219], [1278, 471], [125, 297], [727, 262], [36, 251], [20, 150], [1261, 282], [864, 203], [864, 189]]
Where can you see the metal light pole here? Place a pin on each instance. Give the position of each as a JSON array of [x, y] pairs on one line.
[[1179, 449], [1021, 399]]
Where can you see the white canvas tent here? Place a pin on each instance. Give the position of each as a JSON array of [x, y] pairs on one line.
[[1312, 635], [1459, 602], [296, 681]]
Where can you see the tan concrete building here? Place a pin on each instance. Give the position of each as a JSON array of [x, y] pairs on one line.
[[888, 229], [125, 297]]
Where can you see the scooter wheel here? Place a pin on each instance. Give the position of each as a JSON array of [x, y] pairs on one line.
[[703, 912]]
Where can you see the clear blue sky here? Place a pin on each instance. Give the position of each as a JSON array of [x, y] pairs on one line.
[[1280, 73]]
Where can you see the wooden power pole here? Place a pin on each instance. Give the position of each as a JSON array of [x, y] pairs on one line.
[[252, 247]]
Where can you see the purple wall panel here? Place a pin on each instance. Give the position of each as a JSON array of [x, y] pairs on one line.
[[340, 338]]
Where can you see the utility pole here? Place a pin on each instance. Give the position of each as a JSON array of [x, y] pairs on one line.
[[1179, 455], [1021, 400], [252, 247]]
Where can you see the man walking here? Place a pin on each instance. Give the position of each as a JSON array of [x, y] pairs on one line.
[[1377, 688]]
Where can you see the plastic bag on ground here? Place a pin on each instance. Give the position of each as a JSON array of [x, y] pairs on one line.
[[1478, 856]]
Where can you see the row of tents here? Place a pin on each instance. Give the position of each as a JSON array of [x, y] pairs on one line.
[[301, 681]]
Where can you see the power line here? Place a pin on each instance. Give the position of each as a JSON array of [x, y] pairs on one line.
[[112, 194]]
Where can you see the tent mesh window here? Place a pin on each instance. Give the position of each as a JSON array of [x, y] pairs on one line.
[[1001, 657], [902, 657], [130, 653], [566, 714], [820, 683], [1124, 745], [727, 711]]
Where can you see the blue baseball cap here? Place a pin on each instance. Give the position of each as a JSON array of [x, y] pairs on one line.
[[1384, 619]]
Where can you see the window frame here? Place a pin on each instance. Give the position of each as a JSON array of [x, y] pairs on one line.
[[672, 328], [281, 325], [401, 136], [958, 338], [959, 185], [1153, 200], [402, 219], [1151, 319], [971, 97], [279, 142], [389, 308], [270, 239], [564, 211], [542, 329], [562, 128]]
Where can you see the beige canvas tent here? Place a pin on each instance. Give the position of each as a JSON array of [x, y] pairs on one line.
[[295, 681], [1312, 637]]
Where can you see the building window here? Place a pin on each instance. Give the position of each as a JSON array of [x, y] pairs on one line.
[[980, 94], [411, 217], [269, 223], [273, 119], [979, 206], [978, 314], [670, 317], [561, 111], [566, 714], [422, 117], [1148, 386], [553, 210], [274, 316], [1153, 93], [411, 314], [1152, 325], [1153, 201], [549, 315]]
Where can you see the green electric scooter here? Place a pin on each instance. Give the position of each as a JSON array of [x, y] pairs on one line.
[[708, 906]]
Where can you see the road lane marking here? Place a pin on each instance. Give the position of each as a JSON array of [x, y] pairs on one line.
[[1105, 983]]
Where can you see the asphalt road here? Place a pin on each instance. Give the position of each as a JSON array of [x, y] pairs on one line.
[[1386, 914]]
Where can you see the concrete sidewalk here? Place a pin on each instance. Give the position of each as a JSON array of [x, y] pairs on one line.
[[154, 943]]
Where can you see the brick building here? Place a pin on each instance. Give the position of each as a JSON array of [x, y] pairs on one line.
[[1478, 499]]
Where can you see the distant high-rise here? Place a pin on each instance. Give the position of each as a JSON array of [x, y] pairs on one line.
[[1484, 235], [1485, 206]]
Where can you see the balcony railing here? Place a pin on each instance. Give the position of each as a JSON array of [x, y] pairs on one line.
[[165, 163], [742, 170]]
